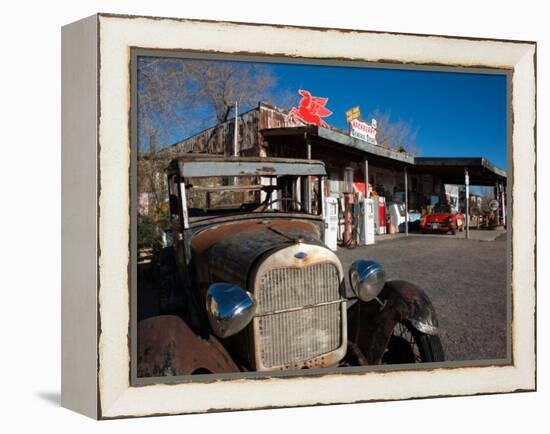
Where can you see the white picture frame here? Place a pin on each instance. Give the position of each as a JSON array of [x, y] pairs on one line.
[[96, 312]]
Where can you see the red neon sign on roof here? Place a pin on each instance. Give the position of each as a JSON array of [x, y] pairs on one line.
[[311, 109]]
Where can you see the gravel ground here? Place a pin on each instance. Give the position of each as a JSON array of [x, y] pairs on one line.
[[465, 279]]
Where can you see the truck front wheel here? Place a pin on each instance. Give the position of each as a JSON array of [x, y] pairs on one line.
[[408, 345]]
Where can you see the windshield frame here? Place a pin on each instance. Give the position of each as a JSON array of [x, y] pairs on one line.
[[317, 196]]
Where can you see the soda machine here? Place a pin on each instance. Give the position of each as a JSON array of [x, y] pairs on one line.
[[380, 215]]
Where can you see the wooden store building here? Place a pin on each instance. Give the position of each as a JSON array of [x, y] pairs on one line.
[[400, 177]]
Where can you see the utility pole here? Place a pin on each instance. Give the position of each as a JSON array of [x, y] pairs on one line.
[[236, 138], [236, 132]]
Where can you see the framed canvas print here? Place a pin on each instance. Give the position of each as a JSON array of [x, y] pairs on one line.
[[261, 216]]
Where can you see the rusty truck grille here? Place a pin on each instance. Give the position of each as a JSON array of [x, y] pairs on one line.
[[299, 314]]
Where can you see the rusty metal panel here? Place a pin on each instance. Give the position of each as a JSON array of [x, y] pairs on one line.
[[226, 252], [168, 347]]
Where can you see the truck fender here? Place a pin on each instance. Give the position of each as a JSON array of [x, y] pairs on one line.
[[168, 346], [370, 326], [412, 304]]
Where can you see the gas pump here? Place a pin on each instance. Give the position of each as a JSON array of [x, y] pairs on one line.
[[330, 211], [366, 233], [349, 200]]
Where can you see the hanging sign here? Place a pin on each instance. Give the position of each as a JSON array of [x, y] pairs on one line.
[[311, 109], [362, 131], [353, 113]]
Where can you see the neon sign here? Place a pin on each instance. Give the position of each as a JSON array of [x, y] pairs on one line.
[[311, 109]]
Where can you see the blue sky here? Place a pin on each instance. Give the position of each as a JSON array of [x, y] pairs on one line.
[[454, 114]]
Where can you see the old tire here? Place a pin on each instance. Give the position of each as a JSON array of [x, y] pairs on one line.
[[408, 345]]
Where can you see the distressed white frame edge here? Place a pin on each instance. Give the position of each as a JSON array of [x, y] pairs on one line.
[[116, 36], [79, 387]]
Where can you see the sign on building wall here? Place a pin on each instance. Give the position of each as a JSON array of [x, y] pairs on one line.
[[363, 131]]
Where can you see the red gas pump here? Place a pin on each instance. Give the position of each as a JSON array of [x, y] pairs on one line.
[[381, 214], [348, 205]]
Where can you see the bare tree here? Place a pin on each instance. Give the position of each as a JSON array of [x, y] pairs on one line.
[[222, 84], [399, 135], [177, 97], [163, 90]]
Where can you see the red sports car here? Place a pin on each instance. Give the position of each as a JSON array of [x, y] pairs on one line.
[[443, 219]]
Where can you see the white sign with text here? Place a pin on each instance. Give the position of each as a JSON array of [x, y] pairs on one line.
[[362, 131]]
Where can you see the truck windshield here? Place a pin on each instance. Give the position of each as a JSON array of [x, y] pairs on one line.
[[222, 195]]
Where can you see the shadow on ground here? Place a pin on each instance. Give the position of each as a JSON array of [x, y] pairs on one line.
[[52, 398]]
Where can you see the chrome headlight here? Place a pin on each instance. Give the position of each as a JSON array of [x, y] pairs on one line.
[[367, 279], [230, 308]]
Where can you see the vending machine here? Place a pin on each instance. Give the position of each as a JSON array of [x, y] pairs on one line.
[[380, 215], [366, 232], [330, 215]]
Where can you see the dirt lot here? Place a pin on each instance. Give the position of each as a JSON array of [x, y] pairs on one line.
[[465, 279]]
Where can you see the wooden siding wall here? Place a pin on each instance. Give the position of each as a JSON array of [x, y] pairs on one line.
[[219, 139]]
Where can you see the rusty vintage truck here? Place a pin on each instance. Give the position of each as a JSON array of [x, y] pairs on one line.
[[248, 284]]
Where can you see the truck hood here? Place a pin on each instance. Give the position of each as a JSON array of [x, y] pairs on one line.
[[226, 252]]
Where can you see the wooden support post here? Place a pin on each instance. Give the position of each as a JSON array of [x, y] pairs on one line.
[[467, 184], [406, 203], [497, 198], [366, 178], [308, 183]]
